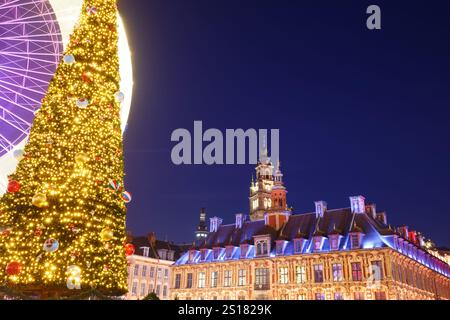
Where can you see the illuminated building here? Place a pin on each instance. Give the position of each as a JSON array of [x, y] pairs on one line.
[[329, 254], [149, 267]]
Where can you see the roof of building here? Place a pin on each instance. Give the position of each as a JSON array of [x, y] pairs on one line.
[[155, 245], [340, 221]]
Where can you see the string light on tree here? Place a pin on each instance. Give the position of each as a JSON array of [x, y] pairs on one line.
[[62, 229]]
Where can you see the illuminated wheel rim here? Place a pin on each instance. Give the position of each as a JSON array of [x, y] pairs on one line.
[[30, 48]]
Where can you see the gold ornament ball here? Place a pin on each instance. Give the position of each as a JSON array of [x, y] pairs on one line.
[[81, 158], [40, 200], [107, 234]]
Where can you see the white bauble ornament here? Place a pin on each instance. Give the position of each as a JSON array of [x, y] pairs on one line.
[[69, 59]]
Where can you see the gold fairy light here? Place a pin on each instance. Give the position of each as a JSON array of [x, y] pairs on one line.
[[75, 148]]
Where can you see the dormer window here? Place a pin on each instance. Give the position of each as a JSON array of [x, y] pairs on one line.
[[334, 242], [229, 252], [355, 240], [280, 248], [145, 251], [244, 250], [298, 245], [262, 247], [318, 242], [162, 253], [171, 255], [216, 253], [203, 254], [192, 254]]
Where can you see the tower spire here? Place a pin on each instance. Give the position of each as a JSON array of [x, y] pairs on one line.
[[263, 153], [202, 229]]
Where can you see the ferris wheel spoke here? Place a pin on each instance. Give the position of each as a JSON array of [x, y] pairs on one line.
[[18, 86], [27, 19], [14, 121], [5, 144], [19, 54], [40, 66], [30, 38], [8, 4], [21, 106], [21, 95], [19, 72]]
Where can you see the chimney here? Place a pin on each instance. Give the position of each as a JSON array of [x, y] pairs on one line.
[[412, 236], [321, 207], [151, 237], [404, 232], [381, 216], [357, 203], [240, 218], [214, 224], [420, 239], [371, 209]]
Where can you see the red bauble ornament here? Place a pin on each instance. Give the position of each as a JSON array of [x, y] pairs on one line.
[[74, 228], [129, 249], [38, 232], [5, 233], [13, 186], [86, 77], [13, 268]]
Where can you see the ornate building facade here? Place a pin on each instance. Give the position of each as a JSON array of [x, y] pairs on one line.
[[350, 253], [149, 267]]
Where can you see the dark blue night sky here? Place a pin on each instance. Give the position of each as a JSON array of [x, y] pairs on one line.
[[359, 111]]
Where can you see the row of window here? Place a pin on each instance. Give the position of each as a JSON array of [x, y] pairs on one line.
[[378, 295], [144, 290], [262, 275], [163, 254], [144, 270], [201, 279], [418, 280], [267, 203], [262, 247], [336, 271]]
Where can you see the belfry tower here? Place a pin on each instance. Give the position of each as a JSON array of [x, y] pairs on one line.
[[279, 212], [279, 192], [261, 189]]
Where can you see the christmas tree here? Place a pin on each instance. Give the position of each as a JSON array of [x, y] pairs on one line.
[[62, 222]]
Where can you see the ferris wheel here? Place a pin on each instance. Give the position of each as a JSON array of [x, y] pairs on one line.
[[30, 48], [32, 38]]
